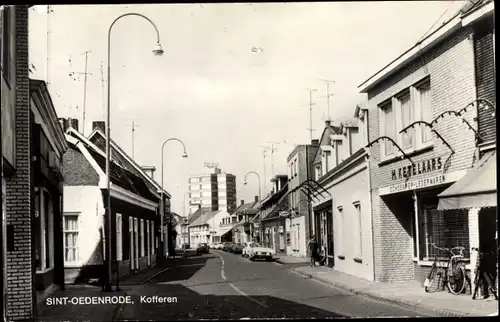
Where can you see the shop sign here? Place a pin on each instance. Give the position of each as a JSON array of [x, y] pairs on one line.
[[417, 184], [256, 225], [280, 230], [424, 166]]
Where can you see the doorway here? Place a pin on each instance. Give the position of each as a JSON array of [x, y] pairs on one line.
[[487, 235]]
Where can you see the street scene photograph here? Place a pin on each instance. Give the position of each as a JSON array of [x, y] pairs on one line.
[[266, 160]]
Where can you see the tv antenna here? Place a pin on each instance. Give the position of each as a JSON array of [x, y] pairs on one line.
[[75, 76], [273, 149], [133, 126], [328, 95], [311, 104], [102, 91], [49, 31], [211, 165], [265, 148]]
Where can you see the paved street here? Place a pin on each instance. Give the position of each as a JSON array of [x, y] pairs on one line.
[[226, 286]]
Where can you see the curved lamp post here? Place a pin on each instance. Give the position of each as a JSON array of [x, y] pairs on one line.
[[163, 243], [245, 182], [158, 51]]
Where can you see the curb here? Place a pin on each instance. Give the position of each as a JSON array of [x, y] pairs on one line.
[[154, 275], [118, 311], [409, 304]]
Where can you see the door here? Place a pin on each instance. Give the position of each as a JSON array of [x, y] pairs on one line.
[[136, 244], [329, 238], [131, 243]]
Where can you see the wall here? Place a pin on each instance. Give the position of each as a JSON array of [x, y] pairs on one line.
[[20, 266], [297, 224], [88, 202], [77, 170], [345, 190], [451, 69]]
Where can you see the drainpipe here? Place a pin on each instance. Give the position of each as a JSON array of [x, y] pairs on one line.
[[369, 173]]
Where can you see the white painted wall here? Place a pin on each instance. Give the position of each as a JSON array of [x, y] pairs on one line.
[[86, 200], [297, 227], [352, 188]]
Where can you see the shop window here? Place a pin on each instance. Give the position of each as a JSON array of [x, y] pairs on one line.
[[445, 229], [44, 230], [119, 237], [71, 234]]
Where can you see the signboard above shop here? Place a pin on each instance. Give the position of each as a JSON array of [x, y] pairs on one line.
[[420, 167]]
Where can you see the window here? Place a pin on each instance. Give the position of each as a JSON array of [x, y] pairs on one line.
[[445, 229], [424, 92], [295, 167], [194, 180], [143, 243], [119, 238], [71, 232], [407, 118], [388, 127], [8, 34], [318, 172], [358, 231], [340, 231], [44, 230], [291, 170]]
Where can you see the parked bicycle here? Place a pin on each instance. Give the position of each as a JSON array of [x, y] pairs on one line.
[[482, 276], [452, 275]]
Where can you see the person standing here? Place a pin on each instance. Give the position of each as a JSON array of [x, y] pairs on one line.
[[313, 250]]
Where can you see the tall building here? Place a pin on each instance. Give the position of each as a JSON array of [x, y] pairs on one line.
[[212, 191]]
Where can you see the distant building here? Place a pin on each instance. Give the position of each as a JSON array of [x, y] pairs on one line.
[[214, 190]]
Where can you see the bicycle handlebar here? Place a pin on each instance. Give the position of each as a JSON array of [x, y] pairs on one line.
[[450, 250]]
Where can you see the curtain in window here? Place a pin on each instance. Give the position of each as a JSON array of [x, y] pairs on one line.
[[426, 109], [407, 118], [389, 128], [71, 238]]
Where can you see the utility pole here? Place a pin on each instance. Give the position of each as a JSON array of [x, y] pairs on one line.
[[102, 91], [328, 95], [311, 104], [49, 31], [273, 149], [265, 148], [85, 90], [133, 140]]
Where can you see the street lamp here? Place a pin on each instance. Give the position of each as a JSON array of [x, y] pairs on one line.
[[163, 244], [245, 182], [158, 51]]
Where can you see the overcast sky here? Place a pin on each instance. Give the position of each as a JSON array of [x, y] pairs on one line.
[[210, 89]]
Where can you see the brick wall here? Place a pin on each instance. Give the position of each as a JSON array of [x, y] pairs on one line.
[[20, 261], [485, 77], [451, 69], [77, 171]]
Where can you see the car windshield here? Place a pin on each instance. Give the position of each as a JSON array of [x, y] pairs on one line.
[[255, 245]]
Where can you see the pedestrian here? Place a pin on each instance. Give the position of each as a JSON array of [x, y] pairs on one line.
[[313, 249]]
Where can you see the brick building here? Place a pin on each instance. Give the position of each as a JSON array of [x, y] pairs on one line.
[[345, 213], [31, 151], [299, 170], [242, 231], [408, 173], [134, 213]]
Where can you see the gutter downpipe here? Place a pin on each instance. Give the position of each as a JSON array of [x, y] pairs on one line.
[[369, 173]]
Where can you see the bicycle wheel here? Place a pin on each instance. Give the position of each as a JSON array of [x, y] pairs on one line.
[[456, 280], [430, 279]]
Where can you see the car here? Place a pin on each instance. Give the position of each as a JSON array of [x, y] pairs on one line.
[[213, 245], [237, 249], [202, 249], [248, 247], [218, 246], [228, 247], [261, 252], [186, 246]]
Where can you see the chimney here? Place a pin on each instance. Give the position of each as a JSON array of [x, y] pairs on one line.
[[327, 123], [242, 202], [99, 125], [64, 123], [150, 170], [256, 199], [73, 123], [315, 142]]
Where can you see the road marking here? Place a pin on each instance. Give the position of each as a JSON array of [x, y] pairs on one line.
[[222, 268], [248, 297]]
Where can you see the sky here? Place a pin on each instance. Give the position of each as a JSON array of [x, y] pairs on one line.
[[210, 89]]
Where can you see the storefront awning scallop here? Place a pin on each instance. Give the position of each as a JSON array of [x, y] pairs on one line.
[[478, 188]]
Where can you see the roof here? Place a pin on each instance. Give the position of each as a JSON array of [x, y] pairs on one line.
[[276, 196], [275, 211], [332, 129], [192, 217], [478, 188], [472, 5], [130, 160], [244, 207], [204, 218]]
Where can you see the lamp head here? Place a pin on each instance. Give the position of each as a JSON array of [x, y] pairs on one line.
[[158, 50], [184, 155], [245, 183]]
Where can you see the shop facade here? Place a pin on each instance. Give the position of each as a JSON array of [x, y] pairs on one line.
[[412, 163]]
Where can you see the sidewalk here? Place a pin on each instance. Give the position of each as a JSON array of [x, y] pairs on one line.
[[408, 294], [292, 260]]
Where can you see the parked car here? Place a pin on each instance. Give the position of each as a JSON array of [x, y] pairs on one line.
[[248, 247], [237, 249], [202, 249], [228, 247], [218, 246], [261, 252], [186, 246]]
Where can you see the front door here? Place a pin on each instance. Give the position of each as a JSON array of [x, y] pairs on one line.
[[329, 238]]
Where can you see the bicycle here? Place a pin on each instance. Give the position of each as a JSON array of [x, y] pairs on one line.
[[482, 276], [453, 274]]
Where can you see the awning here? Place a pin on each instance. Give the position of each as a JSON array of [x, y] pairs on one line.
[[478, 188], [224, 230]]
